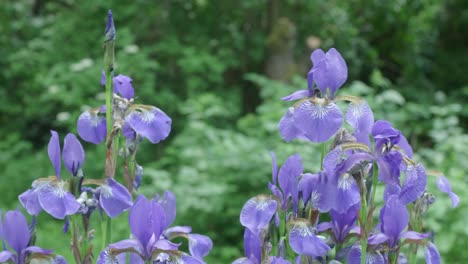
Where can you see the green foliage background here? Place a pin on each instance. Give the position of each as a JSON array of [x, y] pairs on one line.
[[203, 62]]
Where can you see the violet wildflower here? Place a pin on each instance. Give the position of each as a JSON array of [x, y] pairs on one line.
[[123, 86], [114, 198], [51, 194], [91, 125], [16, 236], [341, 223], [394, 219], [257, 213], [304, 241], [148, 223], [316, 118]]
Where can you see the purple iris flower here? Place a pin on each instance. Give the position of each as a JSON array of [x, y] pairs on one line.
[[257, 213], [17, 236], [444, 186], [91, 125], [316, 118], [147, 121], [51, 194], [303, 239], [341, 223], [148, 221], [114, 198], [253, 251], [394, 219], [431, 254], [354, 256], [413, 186], [287, 177], [388, 159]]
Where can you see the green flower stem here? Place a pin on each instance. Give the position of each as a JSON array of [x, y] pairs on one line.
[[375, 172], [363, 219]]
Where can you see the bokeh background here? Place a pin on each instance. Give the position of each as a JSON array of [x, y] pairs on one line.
[[218, 68]]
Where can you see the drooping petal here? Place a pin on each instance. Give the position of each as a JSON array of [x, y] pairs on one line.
[[394, 219], [168, 203], [257, 212], [73, 154], [123, 86], [243, 261], [163, 244], [199, 245], [146, 219], [116, 253], [296, 95], [57, 201], [414, 185], [114, 198], [153, 123], [444, 186], [92, 127], [347, 193], [331, 72], [35, 249], [287, 127], [391, 189], [53, 150], [252, 246], [303, 240], [30, 201], [432, 254], [319, 119], [16, 230]]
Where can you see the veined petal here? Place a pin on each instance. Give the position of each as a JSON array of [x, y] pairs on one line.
[[73, 154], [146, 219], [177, 229], [257, 212], [16, 230], [403, 144], [330, 73], [319, 119], [287, 127], [153, 124], [57, 201], [347, 193], [303, 240], [444, 186], [30, 201], [53, 150], [199, 245], [123, 86], [114, 198], [432, 254], [92, 127], [414, 185], [296, 95]]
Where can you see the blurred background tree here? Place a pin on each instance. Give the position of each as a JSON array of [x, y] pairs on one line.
[[218, 68]]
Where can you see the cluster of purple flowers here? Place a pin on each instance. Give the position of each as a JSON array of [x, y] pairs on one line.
[[77, 197], [329, 215]]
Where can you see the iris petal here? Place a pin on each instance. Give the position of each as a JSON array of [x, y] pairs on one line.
[[153, 124], [92, 127], [319, 119], [303, 240]]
